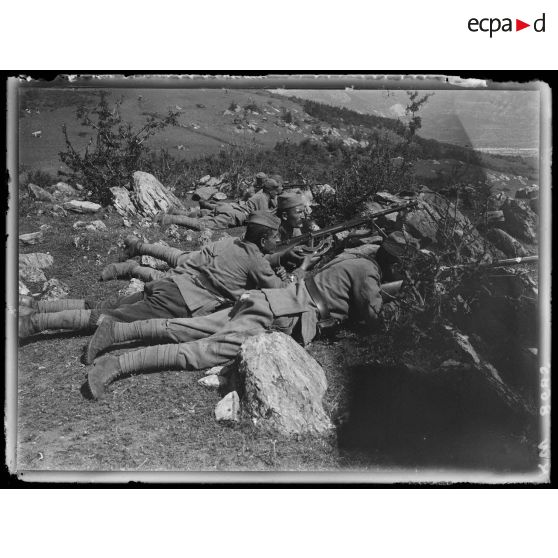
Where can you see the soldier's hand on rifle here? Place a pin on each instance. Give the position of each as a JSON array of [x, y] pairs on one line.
[[281, 272], [309, 261], [208, 204], [294, 256]]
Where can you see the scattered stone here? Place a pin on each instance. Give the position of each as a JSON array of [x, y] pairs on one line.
[[228, 409], [212, 381], [126, 223], [205, 236], [41, 194], [31, 238], [134, 286], [97, 225], [44, 227], [204, 193], [23, 290], [173, 231], [216, 370], [324, 190], [213, 181], [284, 385], [61, 189], [511, 247], [219, 196], [54, 289], [521, 220], [78, 206], [204, 179], [154, 263]]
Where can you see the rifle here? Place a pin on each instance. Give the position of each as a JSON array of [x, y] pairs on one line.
[[311, 236], [497, 263]]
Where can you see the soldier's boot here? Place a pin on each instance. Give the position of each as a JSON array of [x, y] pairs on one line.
[[132, 247], [28, 301], [110, 333], [73, 320], [182, 220], [105, 371], [151, 359], [122, 270]]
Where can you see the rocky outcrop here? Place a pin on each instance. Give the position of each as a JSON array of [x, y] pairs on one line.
[[283, 385], [147, 197], [521, 220]]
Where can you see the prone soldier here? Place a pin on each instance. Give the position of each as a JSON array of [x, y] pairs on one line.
[[202, 282]]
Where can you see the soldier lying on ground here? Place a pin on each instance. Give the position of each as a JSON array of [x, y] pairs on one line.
[[227, 215], [290, 209], [346, 288], [205, 280]]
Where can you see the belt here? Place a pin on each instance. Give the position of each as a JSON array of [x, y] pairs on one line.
[[318, 299]]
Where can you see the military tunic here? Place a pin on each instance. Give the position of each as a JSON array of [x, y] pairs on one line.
[[203, 281], [349, 285]]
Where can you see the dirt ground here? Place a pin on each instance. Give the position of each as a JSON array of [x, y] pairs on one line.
[[165, 421]]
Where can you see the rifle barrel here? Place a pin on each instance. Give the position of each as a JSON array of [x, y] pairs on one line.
[[347, 224]]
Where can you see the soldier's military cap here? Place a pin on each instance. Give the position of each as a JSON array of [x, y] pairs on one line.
[[277, 178], [261, 176], [264, 218], [270, 184], [288, 200]]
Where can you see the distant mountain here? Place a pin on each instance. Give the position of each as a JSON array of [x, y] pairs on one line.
[[481, 119]]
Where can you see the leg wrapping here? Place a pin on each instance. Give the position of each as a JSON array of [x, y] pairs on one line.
[[182, 220], [62, 304], [151, 359], [165, 253], [74, 320], [147, 274], [148, 330]]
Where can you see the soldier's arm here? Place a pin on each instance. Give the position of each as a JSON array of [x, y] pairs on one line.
[[264, 277]]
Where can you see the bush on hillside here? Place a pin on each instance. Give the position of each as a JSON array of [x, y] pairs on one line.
[[115, 151]]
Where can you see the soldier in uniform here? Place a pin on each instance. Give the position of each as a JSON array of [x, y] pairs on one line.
[[290, 209], [228, 215], [348, 287], [202, 282]]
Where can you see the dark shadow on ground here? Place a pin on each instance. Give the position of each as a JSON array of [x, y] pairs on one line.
[[408, 419]]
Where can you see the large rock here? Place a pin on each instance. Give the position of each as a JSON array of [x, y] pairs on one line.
[[78, 206], [507, 243], [122, 202], [40, 194], [31, 274], [151, 197], [284, 386], [36, 259], [521, 220]]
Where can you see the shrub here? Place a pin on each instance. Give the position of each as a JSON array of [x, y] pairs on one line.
[[115, 152]]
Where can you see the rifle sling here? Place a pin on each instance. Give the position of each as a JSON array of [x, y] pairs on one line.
[[318, 299]]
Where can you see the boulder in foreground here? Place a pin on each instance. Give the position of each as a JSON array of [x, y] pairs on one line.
[[283, 385]]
